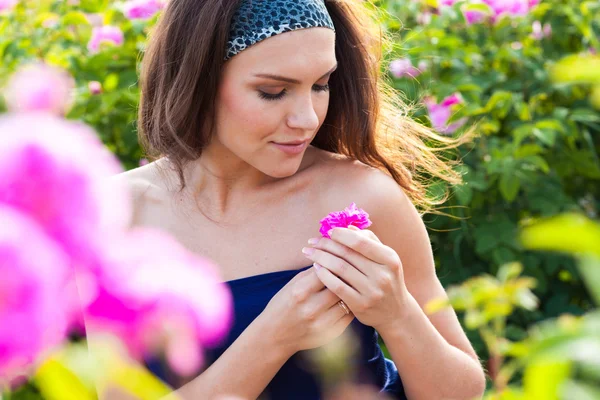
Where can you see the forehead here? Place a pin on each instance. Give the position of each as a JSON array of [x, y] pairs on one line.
[[300, 50]]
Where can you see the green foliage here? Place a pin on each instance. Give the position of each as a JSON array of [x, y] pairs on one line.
[[58, 33], [536, 153]]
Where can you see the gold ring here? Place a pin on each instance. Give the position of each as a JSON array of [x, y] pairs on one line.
[[344, 306]]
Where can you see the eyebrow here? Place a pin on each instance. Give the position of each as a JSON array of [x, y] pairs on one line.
[[290, 80]]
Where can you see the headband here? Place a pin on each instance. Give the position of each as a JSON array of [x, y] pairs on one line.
[[257, 20]]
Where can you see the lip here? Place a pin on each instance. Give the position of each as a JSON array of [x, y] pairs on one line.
[[291, 148]]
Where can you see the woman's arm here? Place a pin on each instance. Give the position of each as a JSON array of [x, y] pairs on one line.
[[432, 353], [244, 370]]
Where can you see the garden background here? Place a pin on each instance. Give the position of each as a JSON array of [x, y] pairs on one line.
[[524, 73]]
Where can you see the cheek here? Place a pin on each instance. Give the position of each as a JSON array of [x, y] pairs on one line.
[[244, 113]]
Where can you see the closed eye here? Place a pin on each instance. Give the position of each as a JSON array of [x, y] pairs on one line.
[[272, 97]]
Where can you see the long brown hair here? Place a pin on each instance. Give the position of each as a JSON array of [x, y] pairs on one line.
[[366, 120]]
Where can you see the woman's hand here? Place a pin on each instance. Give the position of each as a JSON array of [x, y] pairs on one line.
[[363, 272], [304, 314]]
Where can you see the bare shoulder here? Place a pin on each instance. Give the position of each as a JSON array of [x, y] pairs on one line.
[[143, 187], [372, 189]]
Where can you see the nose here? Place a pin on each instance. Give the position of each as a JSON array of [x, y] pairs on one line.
[[303, 115]]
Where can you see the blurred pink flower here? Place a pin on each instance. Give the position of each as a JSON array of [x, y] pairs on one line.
[[474, 16], [105, 34], [34, 303], [142, 9], [538, 32], [95, 87], [403, 67], [40, 87], [56, 172], [441, 113], [342, 219], [500, 8], [424, 18], [6, 5], [510, 8], [157, 296]]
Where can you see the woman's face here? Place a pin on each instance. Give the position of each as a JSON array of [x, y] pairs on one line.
[[255, 112]]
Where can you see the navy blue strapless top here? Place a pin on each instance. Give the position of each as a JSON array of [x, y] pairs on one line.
[[294, 380]]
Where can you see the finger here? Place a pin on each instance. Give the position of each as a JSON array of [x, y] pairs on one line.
[[336, 315], [342, 268], [345, 292], [370, 248], [309, 280], [351, 256], [323, 300]]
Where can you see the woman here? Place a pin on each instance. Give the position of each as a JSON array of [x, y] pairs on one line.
[[263, 117]]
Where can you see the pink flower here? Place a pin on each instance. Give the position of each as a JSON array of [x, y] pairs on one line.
[[403, 67], [7, 5], [34, 305], [156, 296], [510, 8], [474, 16], [95, 87], [342, 219], [424, 18], [142, 9], [441, 113], [105, 34], [538, 32], [56, 172], [40, 87]]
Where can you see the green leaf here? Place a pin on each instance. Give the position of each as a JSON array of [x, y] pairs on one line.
[[542, 378], [589, 267], [509, 185], [74, 18], [570, 233]]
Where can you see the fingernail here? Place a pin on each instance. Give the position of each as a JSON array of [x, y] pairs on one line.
[[313, 241], [317, 266], [329, 232], [308, 250]]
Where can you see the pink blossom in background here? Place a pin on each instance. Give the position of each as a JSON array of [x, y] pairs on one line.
[[403, 67], [34, 303], [439, 114], [142, 9], [105, 34], [95, 19], [500, 8], [424, 18], [474, 16], [156, 296], [350, 215], [40, 87], [56, 172], [6, 5], [95, 87], [538, 32]]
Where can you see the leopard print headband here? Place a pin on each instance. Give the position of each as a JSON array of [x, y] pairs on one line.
[[257, 20]]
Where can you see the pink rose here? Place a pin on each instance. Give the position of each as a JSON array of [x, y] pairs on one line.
[[105, 34], [7, 5], [142, 9], [439, 114], [56, 172], [403, 67], [95, 87], [40, 87], [155, 295], [342, 219], [34, 303]]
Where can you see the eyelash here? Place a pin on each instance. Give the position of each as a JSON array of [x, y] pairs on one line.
[[273, 97]]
